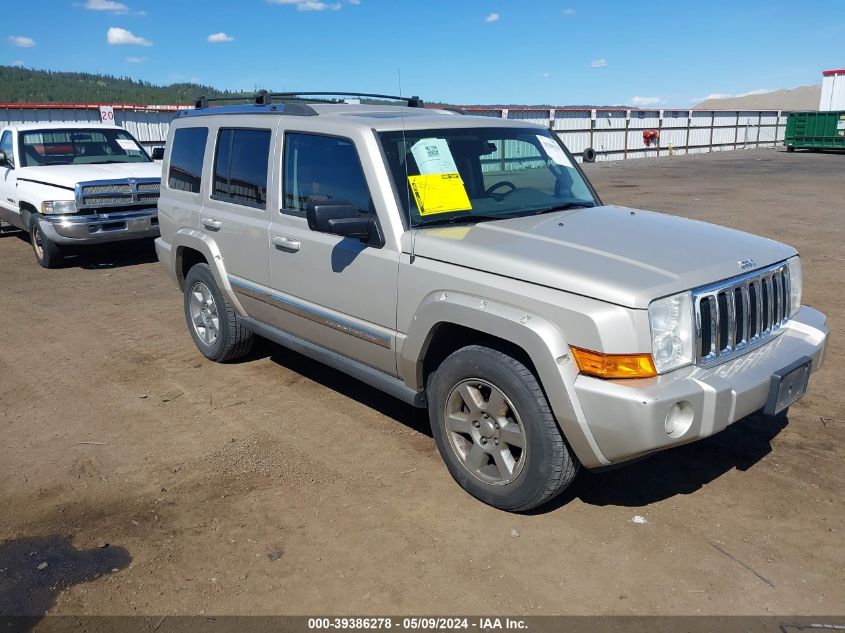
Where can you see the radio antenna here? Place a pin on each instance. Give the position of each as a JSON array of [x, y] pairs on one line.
[[405, 161]]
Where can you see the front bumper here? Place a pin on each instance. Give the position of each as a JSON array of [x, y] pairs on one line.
[[101, 227], [627, 418]]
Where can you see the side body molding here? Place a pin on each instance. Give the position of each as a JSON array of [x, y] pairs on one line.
[[199, 241], [540, 339]]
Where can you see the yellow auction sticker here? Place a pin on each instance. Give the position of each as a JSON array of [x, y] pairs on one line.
[[439, 193]]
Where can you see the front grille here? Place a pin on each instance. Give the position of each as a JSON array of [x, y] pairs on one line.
[[118, 187], [103, 200], [740, 313], [103, 195]]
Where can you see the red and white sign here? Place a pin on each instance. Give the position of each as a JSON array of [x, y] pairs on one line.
[[107, 114]]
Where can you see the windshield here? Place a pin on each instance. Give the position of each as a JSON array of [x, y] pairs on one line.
[[479, 174], [79, 147]]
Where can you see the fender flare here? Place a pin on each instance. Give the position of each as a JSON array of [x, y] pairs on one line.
[[202, 243], [539, 338]]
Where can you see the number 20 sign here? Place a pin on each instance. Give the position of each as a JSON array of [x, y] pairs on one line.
[[107, 114]]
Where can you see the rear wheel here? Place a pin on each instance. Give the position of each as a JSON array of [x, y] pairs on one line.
[[211, 320], [495, 430], [47, 253]]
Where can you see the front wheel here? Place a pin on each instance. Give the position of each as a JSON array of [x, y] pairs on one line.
[[495, 430], [47, 253], [211, 320]]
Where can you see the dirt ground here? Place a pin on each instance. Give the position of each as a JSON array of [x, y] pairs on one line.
[[152, 481]]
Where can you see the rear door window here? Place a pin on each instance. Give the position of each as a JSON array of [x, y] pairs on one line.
[[241, 166], [186, 158]]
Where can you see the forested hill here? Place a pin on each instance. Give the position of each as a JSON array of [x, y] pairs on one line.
[[22, 85]]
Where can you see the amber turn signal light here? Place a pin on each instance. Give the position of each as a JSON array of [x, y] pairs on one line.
[[614, 365]]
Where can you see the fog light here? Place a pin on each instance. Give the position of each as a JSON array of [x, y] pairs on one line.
[[679, 419]]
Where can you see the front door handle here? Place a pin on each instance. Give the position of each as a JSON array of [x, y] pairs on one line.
[[211, 223], [287, 243]]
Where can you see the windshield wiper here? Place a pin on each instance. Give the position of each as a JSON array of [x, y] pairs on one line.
[[104, 162], [462, 219], [583, 204]]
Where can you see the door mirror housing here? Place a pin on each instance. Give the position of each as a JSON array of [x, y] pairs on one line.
[[340, 218], [158, 153], [5, 161]]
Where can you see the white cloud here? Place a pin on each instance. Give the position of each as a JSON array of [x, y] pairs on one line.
[[598, 63], [547, 75], [493, 17], [310, 5], [216, 38], [353, 2], [136, 60], [569, 12], [119, 37], [18, 64], [116, 8], [21, 42], [645, 101]]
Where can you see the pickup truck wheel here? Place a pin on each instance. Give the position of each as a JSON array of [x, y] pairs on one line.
[[495, 430], [47, 253], [212, 321]]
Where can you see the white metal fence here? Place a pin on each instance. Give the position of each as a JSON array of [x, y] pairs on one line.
[[617, 133], [614, 134]]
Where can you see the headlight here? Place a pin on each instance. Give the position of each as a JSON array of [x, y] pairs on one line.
[[671, 332], [58, 207], [794, 266]]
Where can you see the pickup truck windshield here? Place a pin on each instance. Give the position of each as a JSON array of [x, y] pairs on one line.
[[79, 147], [479, 174]]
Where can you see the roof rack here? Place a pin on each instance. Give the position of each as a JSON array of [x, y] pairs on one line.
[[262, 97]]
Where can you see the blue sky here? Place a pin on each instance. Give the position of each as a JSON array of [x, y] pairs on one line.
[[665, 53]]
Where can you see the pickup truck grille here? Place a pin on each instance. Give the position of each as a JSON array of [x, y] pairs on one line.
[[117, 193], [740, 313]]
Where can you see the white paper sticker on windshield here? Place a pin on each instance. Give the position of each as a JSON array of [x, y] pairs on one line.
[[127, 146], [554, 151], [433, 156]]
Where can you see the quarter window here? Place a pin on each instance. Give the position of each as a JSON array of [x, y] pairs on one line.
[[240, 166], [186, 159], [323, 167]]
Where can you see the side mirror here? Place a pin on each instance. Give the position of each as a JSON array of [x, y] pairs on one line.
[[4, 160], [339, 218], [158, 153]]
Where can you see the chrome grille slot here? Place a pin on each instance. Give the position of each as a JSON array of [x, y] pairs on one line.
[[740, 313], [106, 194], [106, 189]]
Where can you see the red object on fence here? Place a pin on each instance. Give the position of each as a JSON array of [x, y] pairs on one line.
[[650, 136]]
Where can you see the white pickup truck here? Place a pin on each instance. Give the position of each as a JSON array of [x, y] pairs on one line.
[[76, 184]]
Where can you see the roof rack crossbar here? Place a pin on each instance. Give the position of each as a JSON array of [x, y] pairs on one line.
[[263, 97], [203, 101]]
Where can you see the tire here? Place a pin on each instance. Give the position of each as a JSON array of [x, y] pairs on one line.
[[589, 155], [790, 148], [535, 472], [211, 320], [47, 253]]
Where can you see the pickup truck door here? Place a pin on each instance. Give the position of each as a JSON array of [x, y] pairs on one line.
[[334, 291], [9, 210]]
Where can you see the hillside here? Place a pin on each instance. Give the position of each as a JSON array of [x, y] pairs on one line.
[[800, 98], [22, 85]]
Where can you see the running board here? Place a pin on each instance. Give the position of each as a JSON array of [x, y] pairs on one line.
[[373, 377]]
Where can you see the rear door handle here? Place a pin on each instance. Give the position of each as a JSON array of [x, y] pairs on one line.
[[211, 223], [287, 243]]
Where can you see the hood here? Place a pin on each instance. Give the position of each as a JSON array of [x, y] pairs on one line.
[[69, 175], [624, 256]]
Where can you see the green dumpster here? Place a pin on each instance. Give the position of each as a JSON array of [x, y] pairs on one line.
[[815, 130]]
